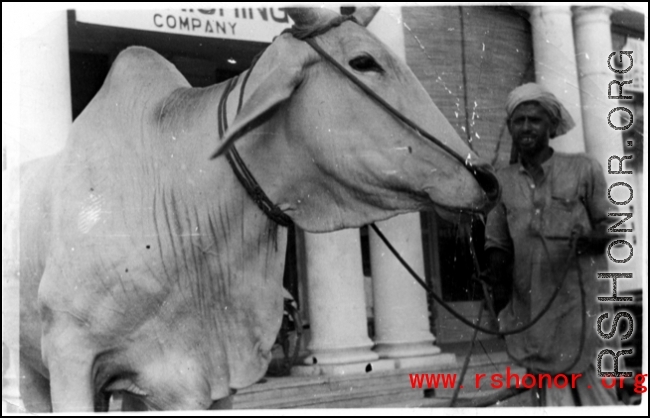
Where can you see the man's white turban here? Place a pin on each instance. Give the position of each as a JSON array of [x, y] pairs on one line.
[[534, 92]]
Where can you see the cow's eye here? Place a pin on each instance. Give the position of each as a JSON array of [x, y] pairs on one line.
[[365, 63]]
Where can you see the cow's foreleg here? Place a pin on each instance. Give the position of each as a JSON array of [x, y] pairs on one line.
[[102, 401], [133, 404], [69, 359], [34, 390], [71, 385]]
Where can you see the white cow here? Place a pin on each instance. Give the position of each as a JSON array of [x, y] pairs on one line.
[[146, 267]]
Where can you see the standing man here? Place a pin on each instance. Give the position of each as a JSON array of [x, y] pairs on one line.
[[551, 223]]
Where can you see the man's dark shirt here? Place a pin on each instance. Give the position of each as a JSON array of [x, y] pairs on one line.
[[571, 195]]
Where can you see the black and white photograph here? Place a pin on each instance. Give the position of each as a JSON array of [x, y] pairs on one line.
[[341, 208]]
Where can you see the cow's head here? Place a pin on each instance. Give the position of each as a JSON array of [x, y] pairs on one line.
[[342, 159]]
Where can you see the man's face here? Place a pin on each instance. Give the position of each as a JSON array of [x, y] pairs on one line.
[[531, 128]]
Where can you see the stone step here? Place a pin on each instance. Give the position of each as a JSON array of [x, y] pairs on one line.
[[385, 389], [416, 403], [339, 399], [279, 390]]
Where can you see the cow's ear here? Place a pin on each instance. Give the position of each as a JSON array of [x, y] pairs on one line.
[[364, 15], [272, 81]]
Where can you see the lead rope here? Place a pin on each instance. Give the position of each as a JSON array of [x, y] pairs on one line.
[[246, 178], [467, 357], [258, 195], [243, 174], [465, 161], [487, 304], [385, 104], [458, 316], [240, 169], [490, 399], [277, 215]]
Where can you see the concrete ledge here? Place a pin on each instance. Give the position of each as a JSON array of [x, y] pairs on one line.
[[438, 361], [343, 369]]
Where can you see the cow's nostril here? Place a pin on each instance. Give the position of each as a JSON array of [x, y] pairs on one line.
[[484, 175]]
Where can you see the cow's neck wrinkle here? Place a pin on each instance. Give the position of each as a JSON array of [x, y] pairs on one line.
[[256, 286], [281, 164], [284, 170], [220, 257], [293, 179], [229, 258]]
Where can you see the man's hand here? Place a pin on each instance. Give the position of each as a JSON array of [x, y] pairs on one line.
[[499, 276], [499, 267], [595, 242]]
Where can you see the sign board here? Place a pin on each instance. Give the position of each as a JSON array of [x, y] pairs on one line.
[[258, 24]]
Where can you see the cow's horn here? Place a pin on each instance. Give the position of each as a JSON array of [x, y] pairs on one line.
[[310, 17], [365, 14]]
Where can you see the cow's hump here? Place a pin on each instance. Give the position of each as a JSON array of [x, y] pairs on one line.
[[138, 68], [135, 89]]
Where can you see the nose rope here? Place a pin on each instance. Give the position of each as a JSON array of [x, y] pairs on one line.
[[465, 161], [253, 188], [386, 105], [273, 212]]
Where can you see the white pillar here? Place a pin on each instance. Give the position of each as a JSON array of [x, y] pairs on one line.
[[41, 115], [400, 304], [45, 104], [10, 290], [11, 402], [401, 312], [337, 310], [11, 399], [555, 67], [593, 46]]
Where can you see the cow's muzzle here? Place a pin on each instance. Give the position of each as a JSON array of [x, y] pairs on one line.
[[486, 178]]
